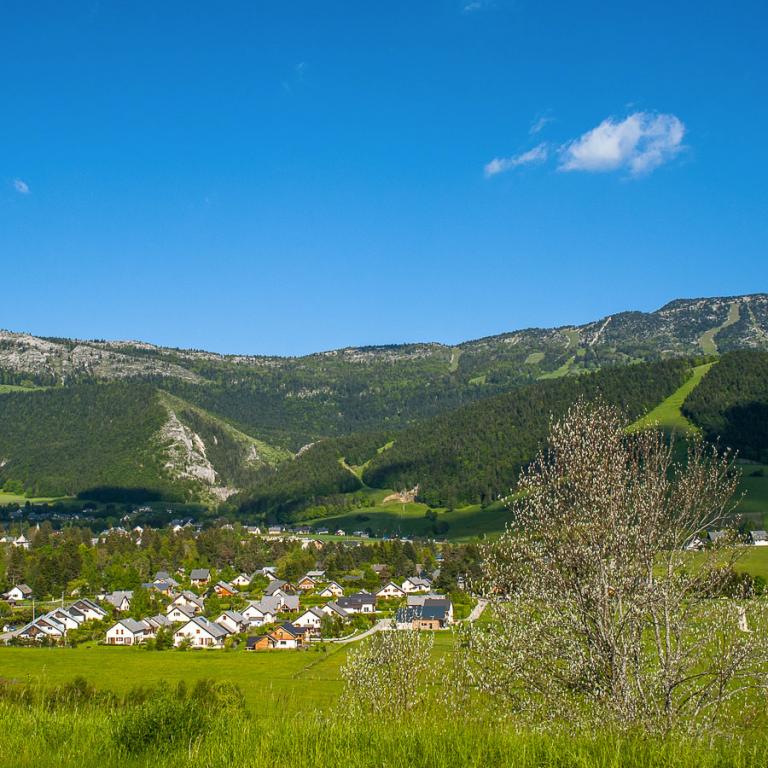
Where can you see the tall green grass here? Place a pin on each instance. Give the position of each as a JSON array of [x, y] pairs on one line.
[[167, 731]]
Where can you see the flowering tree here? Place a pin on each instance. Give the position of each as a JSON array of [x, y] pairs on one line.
[[386, 673], [602, 609]]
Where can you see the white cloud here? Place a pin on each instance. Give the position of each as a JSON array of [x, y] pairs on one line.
[[641, 142], [501, 164], [21, 186], [539, 123], [475, 5]]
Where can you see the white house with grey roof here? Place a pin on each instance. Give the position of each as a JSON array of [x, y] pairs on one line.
[[200, 633], [126, 632]]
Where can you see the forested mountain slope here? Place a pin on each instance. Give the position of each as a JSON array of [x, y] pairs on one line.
[[70, 440], [294, 401]]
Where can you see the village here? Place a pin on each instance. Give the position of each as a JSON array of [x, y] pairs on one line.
[[263, 609]]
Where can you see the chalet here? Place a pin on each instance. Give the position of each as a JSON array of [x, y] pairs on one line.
[[313, 543], [340, 532], [69, 618], [262, 612], [21, 541], [270, 571], [89, 609], [41, 629], [19, 592], [317, 575], [180, 613], [199, 576], [288, 603], [200, 633], [425, 612], [233, 622], [334, 610], [120, 600], [286, 636], [224, 589], [417, 584], [360, 602], [243, 580], [189, 599], [758, 538], [311, 620], [380, 569], [281, 585], [306, 583], [332, 589], [389, 591], [156, 623], [126, 632], [164, 586]]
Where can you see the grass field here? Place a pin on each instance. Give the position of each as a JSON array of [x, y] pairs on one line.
[[297, 681], [14, 498], [668, 414]]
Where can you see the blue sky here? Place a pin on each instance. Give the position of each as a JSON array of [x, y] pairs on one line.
[[296, 176]]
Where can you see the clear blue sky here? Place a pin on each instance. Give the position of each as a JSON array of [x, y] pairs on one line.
[[294, 176]]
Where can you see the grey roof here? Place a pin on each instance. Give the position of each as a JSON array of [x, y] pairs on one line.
[[117, 597], [209, 626], [759, 535], [337, 609], [199, 574], [25, 589], [274, 585], [235, 616], [133, 626]]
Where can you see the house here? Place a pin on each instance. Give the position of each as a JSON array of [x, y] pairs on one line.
[[288, 603], [156, 623], [180, 613], [189, 599], [243, 580], [233, 622], [332, 589], [390, 591], [42, 628], [89, 609], [200, 633], [758, 538], [126, 632], [262, 612], [425, 612], [281, 585], [416, 584], [224, 589], [19, 592], [21, 541], [334, 610], [200, 576], [285, 637], [340, 532], [164, 587], [120, 600], [314, 543], [67, 617], [306, 583], [317, 575], [270, 571], [311, 620], [360, 602]]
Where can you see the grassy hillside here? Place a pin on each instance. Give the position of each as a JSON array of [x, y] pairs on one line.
[[668, 413]]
